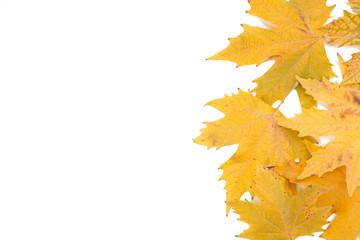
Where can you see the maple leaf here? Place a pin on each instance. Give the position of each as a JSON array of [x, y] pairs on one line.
[[332, 185], [252, 124], [279, 216], [345, 30], [346, 224], [296, 45], [355, 4], [341, 121], [351, 70], [265, 138]]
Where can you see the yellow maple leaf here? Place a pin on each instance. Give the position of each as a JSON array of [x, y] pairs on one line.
[[296, 45], [292, 169], [332, 185], [345, 30], [279, 216], [346, 224], [330, 175], [351, 70], [342, 121], [355, 4], [252, 124]]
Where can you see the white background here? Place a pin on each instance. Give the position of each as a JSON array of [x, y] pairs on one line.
[[99, 102]]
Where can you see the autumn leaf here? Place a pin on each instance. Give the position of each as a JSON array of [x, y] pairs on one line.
[[277, 156], [346, 224], [252, 124], [355, 4], [292, 169], [306, 100], [352, 70], [341, 121], [332, 185], [279, 216], [296, 45], [345, 30]]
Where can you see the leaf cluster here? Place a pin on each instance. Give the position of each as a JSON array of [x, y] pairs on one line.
[[299, 184]]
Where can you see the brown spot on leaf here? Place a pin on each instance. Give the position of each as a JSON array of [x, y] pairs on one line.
[[274, 56], [356, 99], [342, 115], [329, 164], [340, 158]]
